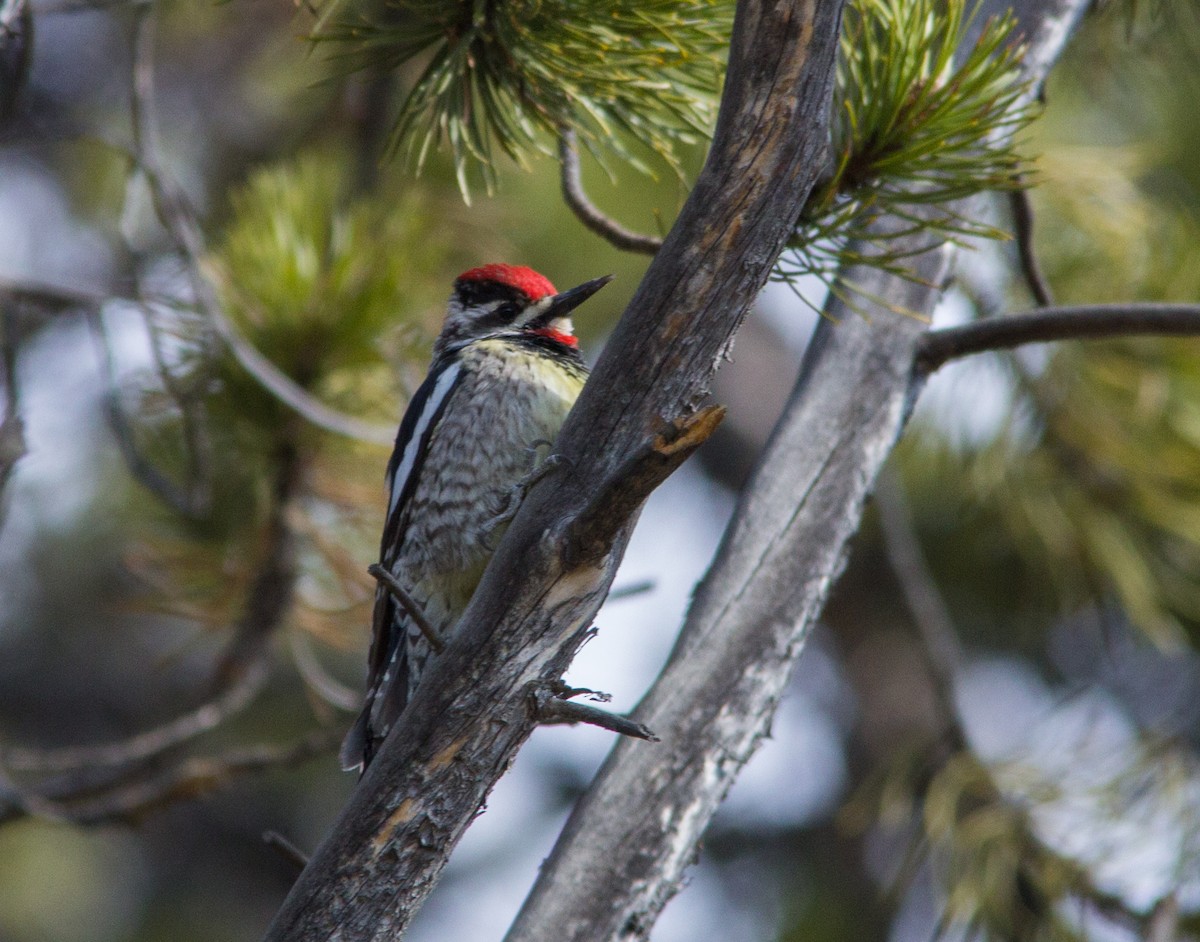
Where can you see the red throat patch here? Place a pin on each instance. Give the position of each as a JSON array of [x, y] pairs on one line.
[[569, 340], [535, 286]]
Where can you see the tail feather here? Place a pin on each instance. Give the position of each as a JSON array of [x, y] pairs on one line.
[[354, 747]]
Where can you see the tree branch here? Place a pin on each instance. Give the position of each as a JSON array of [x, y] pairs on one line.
[[533, 608], [589, 214], [409, 604], [1022, 212], [12, 427], [191, 778], [629, 840], [613, 870], [175, 212], [1082, 322], [550, 708], [144, 745]]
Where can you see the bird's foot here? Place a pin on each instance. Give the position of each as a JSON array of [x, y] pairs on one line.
[[517, 493]]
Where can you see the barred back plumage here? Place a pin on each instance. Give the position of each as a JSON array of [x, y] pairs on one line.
[[505, 374]]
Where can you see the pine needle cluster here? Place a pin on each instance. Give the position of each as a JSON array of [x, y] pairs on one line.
[[491, 79], [927, 102], [924, 118]]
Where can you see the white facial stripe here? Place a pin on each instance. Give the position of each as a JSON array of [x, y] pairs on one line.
[[533, 310], [429, 409]]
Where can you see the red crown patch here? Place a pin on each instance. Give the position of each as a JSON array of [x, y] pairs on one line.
[[535, 286]]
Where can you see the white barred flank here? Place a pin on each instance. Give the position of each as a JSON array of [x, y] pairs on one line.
[[506, 372]]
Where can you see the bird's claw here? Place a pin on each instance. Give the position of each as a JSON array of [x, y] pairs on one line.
[[518, 492]]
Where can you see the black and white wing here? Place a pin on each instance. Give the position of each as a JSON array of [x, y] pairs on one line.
[[387, 673]]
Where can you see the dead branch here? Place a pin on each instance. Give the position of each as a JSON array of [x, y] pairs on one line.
[[288, 851], [409, 604], [533, 608], [175, 212], [626, 846], [588, 213], [549, 708], [190, 778], [144, 745], [1081, 322]]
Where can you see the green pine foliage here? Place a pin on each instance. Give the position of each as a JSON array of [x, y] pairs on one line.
[[917, 128], [490, 79], [335, 290], [1108, 499], [1095, 483], [328, 287]]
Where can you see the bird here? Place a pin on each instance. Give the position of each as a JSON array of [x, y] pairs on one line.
[[506, 370]]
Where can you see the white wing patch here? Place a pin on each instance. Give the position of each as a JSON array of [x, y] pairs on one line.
[[429, 409]]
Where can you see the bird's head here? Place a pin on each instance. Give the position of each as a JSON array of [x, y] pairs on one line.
[[502, 299]]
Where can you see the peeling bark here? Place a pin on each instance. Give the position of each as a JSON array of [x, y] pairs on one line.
[[625, 848], [634, 424]]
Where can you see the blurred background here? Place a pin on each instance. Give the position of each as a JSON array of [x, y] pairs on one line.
[[993, 732]]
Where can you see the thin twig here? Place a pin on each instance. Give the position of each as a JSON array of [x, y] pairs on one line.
[[178, 217], [410, 605], [192, 777], [147, 744], [587, 212], [286, 849], [1022, 212], [12, 428], [632, 589], [550, 709], [940, 647], [1082, 322], [141, 467]]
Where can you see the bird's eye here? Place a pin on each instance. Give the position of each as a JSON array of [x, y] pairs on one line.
[[508, 311]]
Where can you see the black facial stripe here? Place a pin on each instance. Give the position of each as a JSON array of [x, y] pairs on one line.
[[555, 348], [474, 293], [503, 315], [545, 319]]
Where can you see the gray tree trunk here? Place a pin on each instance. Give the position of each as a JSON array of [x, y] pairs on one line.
[[636, 421], [626, 846]]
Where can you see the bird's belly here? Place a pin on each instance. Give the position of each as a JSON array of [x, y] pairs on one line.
[[471, 475]]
